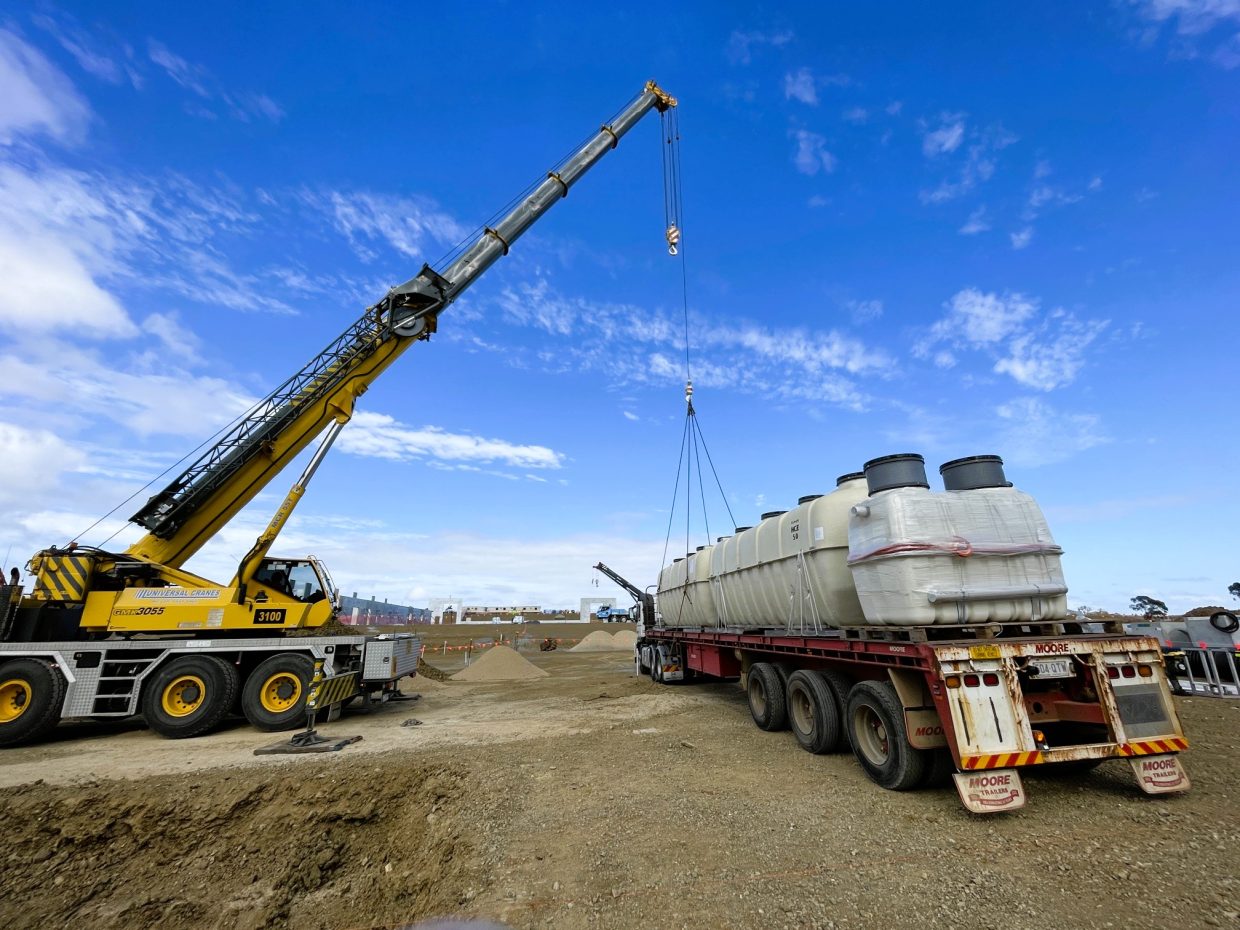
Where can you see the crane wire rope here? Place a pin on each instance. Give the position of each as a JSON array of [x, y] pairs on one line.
[[693, 442]]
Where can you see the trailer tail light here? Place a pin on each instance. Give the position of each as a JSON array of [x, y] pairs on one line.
[[990, 679], [1128, 671], [952, 681], [971, 681], [1112, 672], [1145, 671]]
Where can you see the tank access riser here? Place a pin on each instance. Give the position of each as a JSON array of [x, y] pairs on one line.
[[997, 705]]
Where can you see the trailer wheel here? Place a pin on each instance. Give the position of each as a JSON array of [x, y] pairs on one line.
[[767, 702], [939, 769], [274, 696], [840, 685], [812, 714], [32, 691], [189, 696], [879, 738]]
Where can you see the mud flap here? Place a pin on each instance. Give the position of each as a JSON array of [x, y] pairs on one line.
[[990, 792], [1160, 774]]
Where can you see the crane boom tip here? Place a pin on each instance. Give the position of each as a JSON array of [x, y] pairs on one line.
[[663, 100]]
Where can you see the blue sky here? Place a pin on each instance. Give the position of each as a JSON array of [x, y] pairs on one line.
[[992, 229]]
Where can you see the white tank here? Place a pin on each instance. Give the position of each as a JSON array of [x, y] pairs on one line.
[[789, 571], [981, 552], [983, 555]]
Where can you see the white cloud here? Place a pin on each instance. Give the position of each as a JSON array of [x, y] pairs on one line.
[[37, 98], [1040, 353], [190, 76], [817, 200], [976, 223], [742, 44], [946, 138], [407, 224], [381, 436], [865, 311], [855, 115], [629, 415], [799, 85], [1022, 237], [1192, 17], [811, 154], [979, 319], [1045, 361], [789, 364], [894, 108], [979, 165], [1033, 433], [78, 44], [33, 461]]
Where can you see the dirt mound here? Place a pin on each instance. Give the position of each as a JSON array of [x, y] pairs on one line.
[[308, 845], [499, 663], [426, 670], [598, 641], [625, 639]]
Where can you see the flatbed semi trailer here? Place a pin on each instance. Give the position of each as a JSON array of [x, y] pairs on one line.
[[918, 704]]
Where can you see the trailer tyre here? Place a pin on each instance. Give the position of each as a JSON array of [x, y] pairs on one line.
[[767, 702], [189, 696], [32, 691], [840, 685], [274, 696], [879, 738], [813, 715]]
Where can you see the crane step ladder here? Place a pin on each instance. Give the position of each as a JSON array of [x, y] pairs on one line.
[[325, 692]]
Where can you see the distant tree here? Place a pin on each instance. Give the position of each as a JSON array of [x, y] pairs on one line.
[[1234, 589], [1148, 607]]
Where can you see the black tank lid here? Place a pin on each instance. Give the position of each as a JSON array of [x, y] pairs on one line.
[[720, 539], [851, 476], [807, 498], [904, 470], [773, 513], [699, 548], [741, 529], [973, 473]]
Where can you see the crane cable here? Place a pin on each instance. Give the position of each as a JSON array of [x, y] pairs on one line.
[[692, 442]]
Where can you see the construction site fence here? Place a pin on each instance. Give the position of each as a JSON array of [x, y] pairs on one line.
[[515, 642], [1209, 671]]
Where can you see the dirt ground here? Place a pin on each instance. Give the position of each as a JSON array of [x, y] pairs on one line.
[[591, 798]]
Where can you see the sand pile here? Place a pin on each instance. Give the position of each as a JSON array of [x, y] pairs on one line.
[[602, 641], [499, 663]]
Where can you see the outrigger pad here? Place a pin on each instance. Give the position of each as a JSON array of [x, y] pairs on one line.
[[317, 743]]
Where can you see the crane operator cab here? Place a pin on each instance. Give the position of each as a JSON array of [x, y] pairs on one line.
[[305, 580]]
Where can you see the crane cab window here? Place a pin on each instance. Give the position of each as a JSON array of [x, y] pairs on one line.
[[295, 578]]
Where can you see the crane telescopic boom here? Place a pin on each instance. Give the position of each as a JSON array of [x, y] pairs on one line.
[[183, 516]]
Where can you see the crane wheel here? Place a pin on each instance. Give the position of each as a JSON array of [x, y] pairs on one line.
[[189, 696], [274, 696], [32, 692]]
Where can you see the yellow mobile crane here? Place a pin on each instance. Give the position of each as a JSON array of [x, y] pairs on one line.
[[67, 647]]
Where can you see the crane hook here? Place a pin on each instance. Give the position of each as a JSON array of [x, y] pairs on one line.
[[673, 239]]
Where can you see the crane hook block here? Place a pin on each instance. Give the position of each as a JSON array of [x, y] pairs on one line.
[[673, 239]]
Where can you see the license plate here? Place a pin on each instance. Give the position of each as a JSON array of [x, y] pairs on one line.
[[1053, 668]]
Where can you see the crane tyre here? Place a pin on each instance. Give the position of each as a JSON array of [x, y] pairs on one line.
[[189, 696], [32, 692], [813, 715], [879, 738], [767, 700], [274, 696], [840, 684]]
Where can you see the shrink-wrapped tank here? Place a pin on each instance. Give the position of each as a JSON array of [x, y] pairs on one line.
[[880, 549], [979, 553]]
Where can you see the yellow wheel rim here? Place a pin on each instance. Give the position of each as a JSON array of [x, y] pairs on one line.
[[184, 695], [14, 699], [281, 692]]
